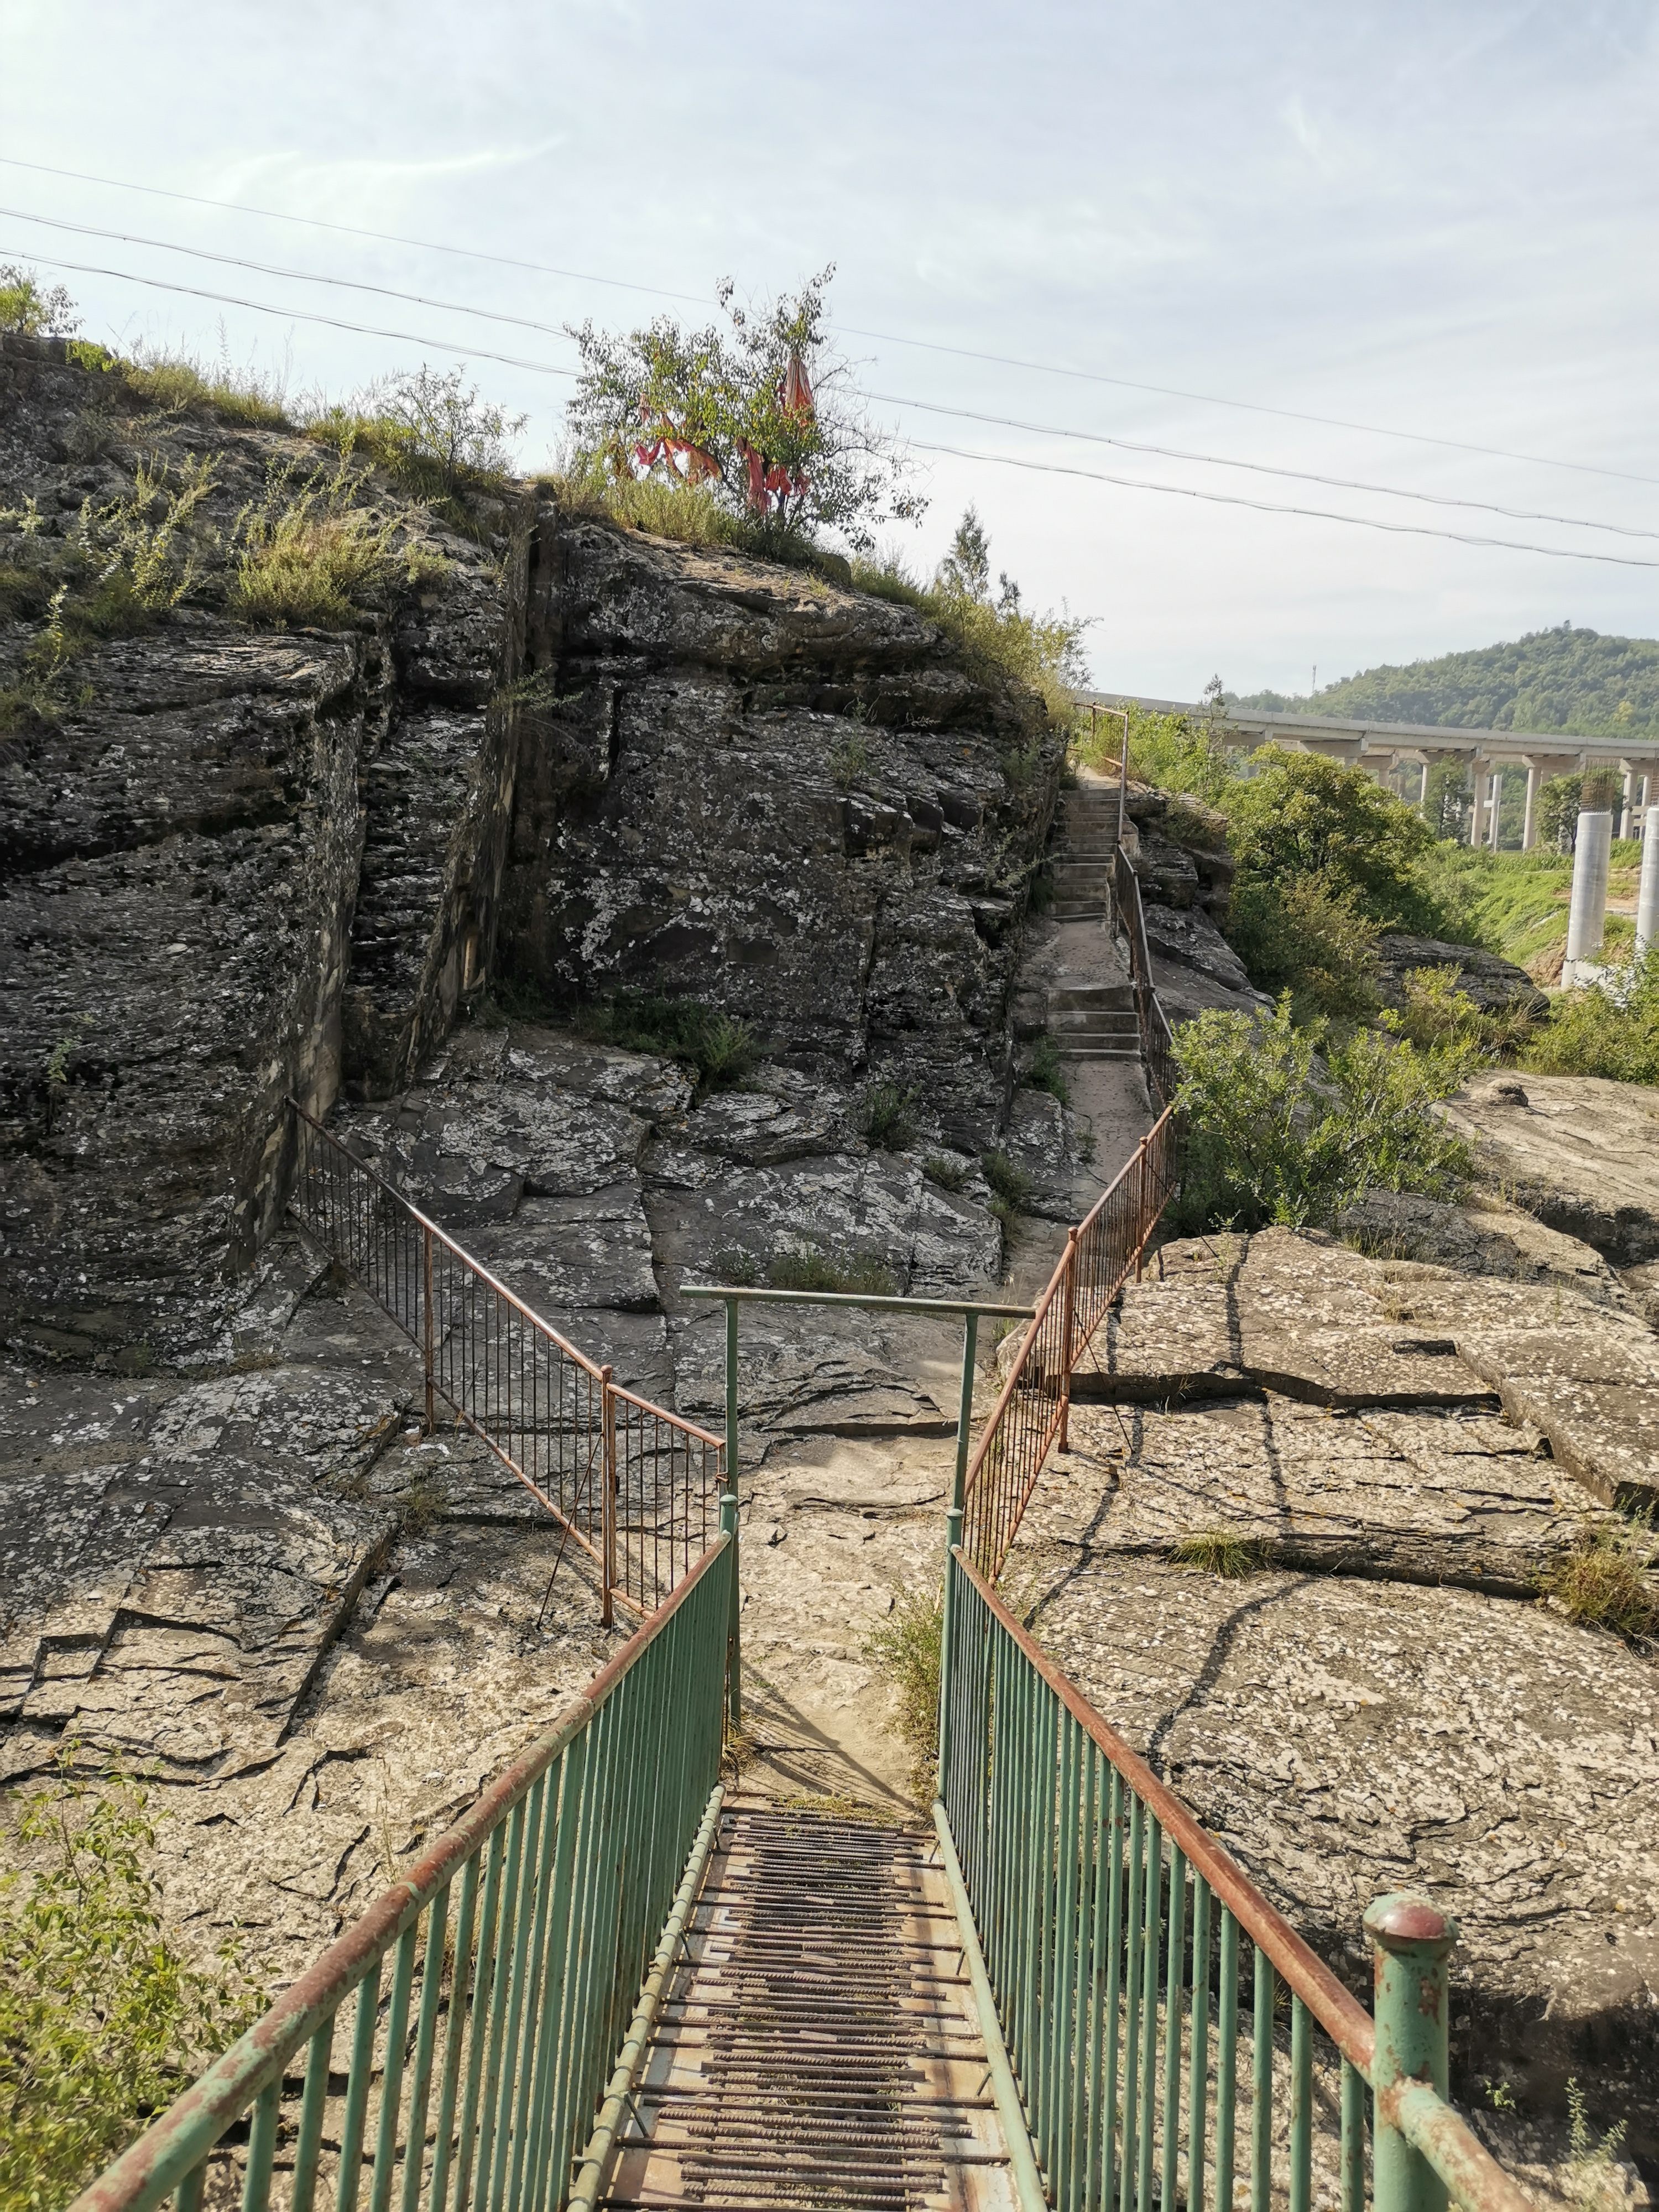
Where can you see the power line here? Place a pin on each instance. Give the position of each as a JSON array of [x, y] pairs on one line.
[[1002, 460], [350, 230], [1258, 468], [298, 314], [888, 399], [852, 330], [299, 276], [1271, 506]]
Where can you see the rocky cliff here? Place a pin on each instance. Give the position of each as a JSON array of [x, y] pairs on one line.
[[242, 863]]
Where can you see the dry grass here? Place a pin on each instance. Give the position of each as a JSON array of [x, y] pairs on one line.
[[1607, 1580], [904, 1652], [1219, 1553], [309, 557]]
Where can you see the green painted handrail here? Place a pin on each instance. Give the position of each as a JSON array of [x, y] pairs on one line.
[[567, 1867]]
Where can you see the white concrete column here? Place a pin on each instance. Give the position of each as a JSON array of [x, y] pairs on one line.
[[1624, 817], [1588, 915], [1477, 822], [1496, 803], [1529, 827], [1423, 787], [1647, 894]]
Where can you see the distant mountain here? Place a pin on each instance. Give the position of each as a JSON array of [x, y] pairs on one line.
[[1570, 680]]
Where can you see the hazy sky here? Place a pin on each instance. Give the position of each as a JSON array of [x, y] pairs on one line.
[[1434, 216]]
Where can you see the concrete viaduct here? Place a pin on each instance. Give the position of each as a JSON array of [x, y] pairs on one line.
[[1380, 747]]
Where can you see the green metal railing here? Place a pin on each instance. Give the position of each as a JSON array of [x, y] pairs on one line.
[[1142, 1983], [470, 2078]]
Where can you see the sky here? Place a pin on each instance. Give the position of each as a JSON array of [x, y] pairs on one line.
[[1430, 223]]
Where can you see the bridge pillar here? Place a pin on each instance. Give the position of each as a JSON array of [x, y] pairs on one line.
[[1529, 826], [1477, 817], [1647, 895], [1495, 806], [1623, 811], [1586, 916]]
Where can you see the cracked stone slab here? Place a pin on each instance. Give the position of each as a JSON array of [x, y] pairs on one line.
[[1421, 1496]]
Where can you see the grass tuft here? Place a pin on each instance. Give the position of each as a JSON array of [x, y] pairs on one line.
[[309, 558], [949, 1175], [1012, 1187], [904, 1652], [720, 1049], [887, 1118], [1606, 1580], [1217, 1552], [1047, 1071]]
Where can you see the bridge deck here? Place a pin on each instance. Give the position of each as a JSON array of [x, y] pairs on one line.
[[819, 2044]]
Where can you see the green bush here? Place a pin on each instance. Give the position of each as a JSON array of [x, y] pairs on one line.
[[1609, 1030], [1176, 752], [887, 1117], [103, 2021], [948, 1174], [720, 1049], [26, 307], [1309, 937], [1011, 1187], [1273, 1138], [308, 556], [1298, 815], [1047, 1071]]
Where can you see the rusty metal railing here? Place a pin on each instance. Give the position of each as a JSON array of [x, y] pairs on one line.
[[1030, 1415], [1138, 1974], [1156, 1041], [636, 1488]]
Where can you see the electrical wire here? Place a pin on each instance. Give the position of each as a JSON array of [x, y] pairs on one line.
[[1003, 460], [887, 398], [1271, 506], [852, 330], [1258, 468], [299, 276], [300, 314]]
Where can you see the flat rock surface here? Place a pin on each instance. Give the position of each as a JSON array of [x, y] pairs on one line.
[[1576, 1150]]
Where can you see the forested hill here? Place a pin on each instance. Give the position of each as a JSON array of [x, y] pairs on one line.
[[1556, 679]]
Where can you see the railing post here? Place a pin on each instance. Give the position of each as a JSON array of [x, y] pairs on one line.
[[729, 1523], [1140, 1207], [733, 1655], [952, 1538], [1068, 1342], [428, 1331], [608, 1490], [1411, 1939]]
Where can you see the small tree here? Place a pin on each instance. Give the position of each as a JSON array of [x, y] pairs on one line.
[[26, 307], [759, 417], [448, 431]]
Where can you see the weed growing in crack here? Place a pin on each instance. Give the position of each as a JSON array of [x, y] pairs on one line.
[[1219, 1553], [1605, 1580], [887, 1118], [904, 1650]]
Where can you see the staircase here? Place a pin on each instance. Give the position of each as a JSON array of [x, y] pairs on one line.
[[1090, 1020], [1094, 1021], [1082, 864]]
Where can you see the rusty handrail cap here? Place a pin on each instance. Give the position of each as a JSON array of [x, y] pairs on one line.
[[1404, 1917]]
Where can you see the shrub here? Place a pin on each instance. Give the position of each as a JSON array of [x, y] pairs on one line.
[[720, 1049], [1269, 1140], [887, 1118], [308, 556], [998, 637], [809, 1267], [1176, 752], [142, 549], [904, 1653], [1610, 1030], [35, 312], [1046, 1070], [1309, 937], [950, 1175], [103, 2021], [1011, 1187], [759, 417], [1298, 815]]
